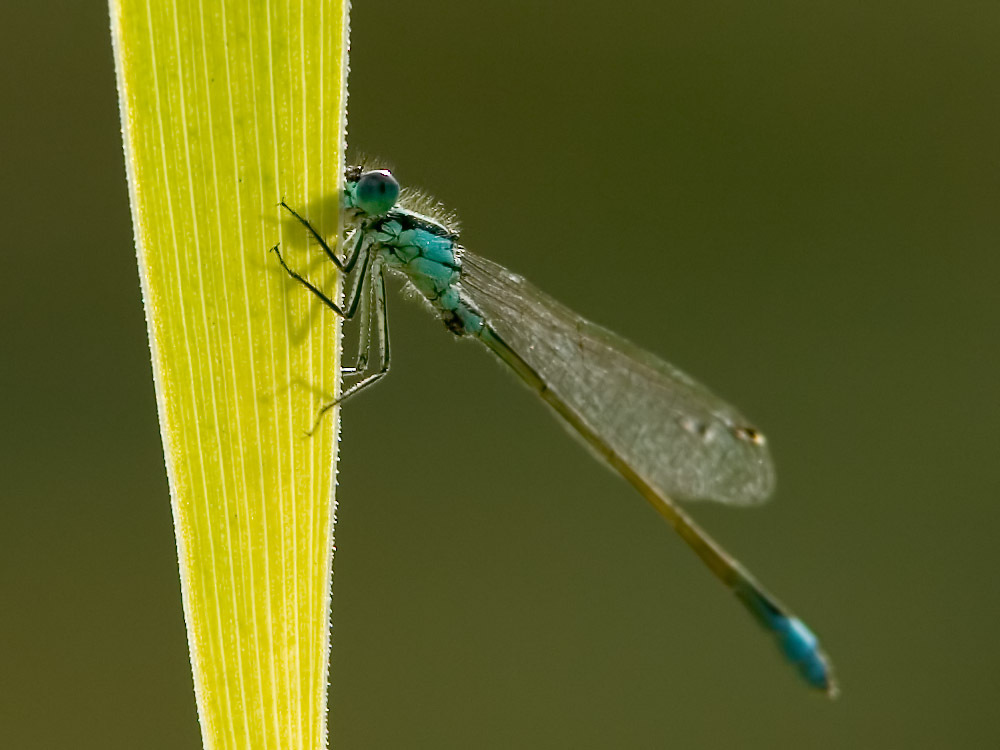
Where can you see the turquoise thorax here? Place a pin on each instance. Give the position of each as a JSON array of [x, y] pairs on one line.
[[429, 256]]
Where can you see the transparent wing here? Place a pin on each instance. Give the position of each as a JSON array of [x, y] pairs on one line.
[[677, 435]]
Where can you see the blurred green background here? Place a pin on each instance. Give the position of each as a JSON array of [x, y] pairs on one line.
[[799, 203]]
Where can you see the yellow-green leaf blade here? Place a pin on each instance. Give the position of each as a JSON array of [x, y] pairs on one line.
[[227, 108]]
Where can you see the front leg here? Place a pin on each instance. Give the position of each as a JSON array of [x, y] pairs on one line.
[[355, 294], [316, 235]]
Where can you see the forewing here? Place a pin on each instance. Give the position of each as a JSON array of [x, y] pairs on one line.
[[677, 435]]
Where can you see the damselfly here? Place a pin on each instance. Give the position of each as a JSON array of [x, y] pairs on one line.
[[670, 437]]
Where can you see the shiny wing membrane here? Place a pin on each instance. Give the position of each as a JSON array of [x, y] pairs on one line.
[[673, 432]]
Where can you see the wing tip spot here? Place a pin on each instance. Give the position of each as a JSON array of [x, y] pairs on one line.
[[750, 434]]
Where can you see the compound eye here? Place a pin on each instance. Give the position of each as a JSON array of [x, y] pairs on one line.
[[376, 192]]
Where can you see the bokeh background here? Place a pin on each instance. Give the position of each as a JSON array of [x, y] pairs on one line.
[[798, 202]]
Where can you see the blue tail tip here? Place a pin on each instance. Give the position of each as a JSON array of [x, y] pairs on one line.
[[801, 647]]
